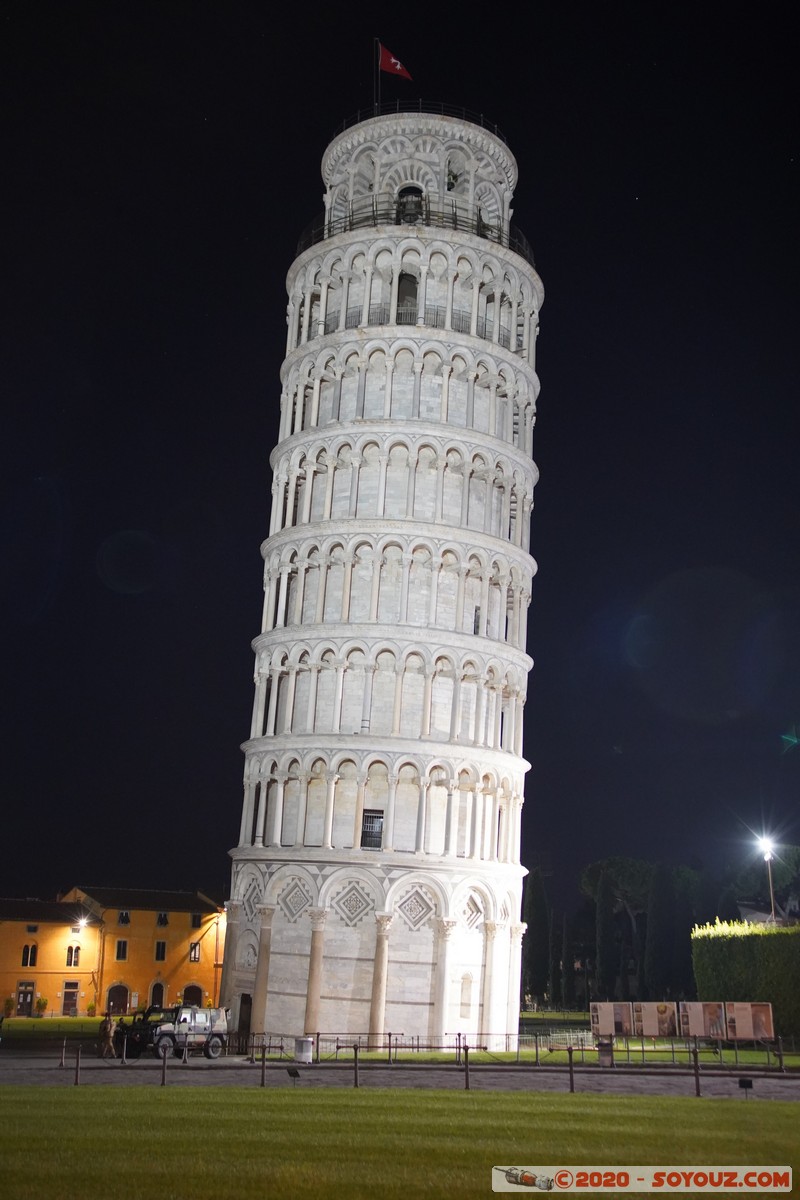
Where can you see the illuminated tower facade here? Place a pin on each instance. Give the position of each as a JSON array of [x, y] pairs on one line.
[[377, 883]]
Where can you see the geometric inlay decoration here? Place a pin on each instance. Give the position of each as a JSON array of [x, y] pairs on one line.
[[416, 908], [294, 899], [472, 912], [251, 899], [353, 903]]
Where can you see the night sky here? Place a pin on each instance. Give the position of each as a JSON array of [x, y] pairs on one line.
[[161, 161]]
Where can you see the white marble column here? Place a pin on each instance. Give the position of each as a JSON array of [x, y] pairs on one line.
[[314, 987], [261, 985], [442, 1001], [380, 971]]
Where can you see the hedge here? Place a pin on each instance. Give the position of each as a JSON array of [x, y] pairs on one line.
[[734, 960]]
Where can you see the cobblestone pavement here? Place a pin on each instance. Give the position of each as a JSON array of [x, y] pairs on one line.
[[43, 1071]]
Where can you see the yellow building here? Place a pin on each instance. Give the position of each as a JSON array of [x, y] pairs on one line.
[[48, 952], [117, 948]]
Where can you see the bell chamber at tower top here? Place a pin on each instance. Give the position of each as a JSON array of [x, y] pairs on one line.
[[417, 232]]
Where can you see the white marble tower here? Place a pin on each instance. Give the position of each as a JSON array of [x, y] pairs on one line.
[[377, 884]]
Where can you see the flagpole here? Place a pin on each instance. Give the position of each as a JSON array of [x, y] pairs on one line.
[[376, 77]]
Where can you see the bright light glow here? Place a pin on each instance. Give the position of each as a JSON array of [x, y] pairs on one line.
[[766, 846], [83, 921]]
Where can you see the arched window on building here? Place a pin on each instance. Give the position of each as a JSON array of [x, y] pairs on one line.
[[29, 954], [73, 956], [407, 290]]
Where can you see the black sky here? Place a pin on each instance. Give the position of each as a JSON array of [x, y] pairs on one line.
[[161, 161]]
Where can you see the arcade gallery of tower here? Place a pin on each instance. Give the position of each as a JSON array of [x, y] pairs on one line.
[[377, 882]]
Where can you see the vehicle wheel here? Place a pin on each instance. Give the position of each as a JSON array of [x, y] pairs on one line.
[[213, 1047], [163, 1045]]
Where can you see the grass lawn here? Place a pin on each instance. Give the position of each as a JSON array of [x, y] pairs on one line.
[[214, 1143]]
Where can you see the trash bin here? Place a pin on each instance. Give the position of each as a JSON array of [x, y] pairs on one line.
[[605, 1052], [303, 1049]]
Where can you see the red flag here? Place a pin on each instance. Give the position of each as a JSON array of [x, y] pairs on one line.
[[389, 63]]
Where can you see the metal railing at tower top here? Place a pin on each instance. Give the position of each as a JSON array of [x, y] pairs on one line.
[[374, 211], [433, 107]]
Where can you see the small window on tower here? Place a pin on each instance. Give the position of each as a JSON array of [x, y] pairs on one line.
[[162, 919], [372, 829], [124, 917], [197, 920], [407, 300], [194, 952]]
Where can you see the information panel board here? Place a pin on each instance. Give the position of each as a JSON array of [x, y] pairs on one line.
[[609, 1019], [749, 1022], [702, 1018], [655, 1018]]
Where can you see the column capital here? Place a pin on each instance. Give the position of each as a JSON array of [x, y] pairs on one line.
[[446, 926], [317, 917], [490, 929], [233, 911], [517, 928], [384, 923], [266, 912]]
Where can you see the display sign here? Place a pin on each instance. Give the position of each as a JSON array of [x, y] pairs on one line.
[[749, 1022], [611, 1019], [700, 1018], [655, 1019]]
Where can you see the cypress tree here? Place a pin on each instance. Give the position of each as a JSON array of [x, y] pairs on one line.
[[536, 943], [567, 967], [660, 944], [606, 951]]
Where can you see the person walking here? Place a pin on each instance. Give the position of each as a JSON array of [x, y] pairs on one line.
[[107, 1037]]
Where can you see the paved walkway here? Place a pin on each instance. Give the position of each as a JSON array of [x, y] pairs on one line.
[[36, 1070]]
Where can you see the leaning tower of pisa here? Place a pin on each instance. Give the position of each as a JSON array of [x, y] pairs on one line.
[[377, 882]]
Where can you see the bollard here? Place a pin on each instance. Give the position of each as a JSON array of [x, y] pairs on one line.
[[536, 1048], [77, 1066], [571, 1069], [355, 1064], [185, 1058], [125, 1050], [696, 1058], [779, 1054], [263, 1066], [389, 1036], [63, 1054], [458, 1049], [164, 1054], [466, 1067]]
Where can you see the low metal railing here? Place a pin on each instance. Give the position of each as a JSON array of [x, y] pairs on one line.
[[371, 212]]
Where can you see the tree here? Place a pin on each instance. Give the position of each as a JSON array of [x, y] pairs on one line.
[[659, 947], [554, 971], [536, 943], [630, 883], [606, 951], [727, 906], [567, 966]]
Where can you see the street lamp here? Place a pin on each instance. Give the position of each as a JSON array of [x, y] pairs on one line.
[[766, 847]]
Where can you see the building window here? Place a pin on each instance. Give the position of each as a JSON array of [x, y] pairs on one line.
[[124, 917], [197, 920], [73, 956], [372, 829], [31, 928], [407, 299], [29, 955], [194, 952], [161, 951], [162, 919], [69, 1007], [122, 951]]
